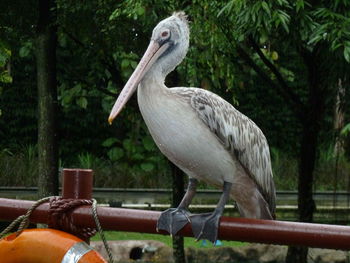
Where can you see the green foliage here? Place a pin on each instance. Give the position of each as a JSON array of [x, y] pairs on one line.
[[19, 168], [5, 77], [304, 23], [258, 16], [140, 153], [75, 94], [332, 170], [332, 25], [26, 50], [5, 55], [285, 170], [346, 130], [100, 43]]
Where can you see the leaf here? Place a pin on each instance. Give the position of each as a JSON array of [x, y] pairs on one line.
[[148, 143], [125, 63], [3, 59], [109, 142], [266, 7], [345, 130], [25, 50], [66, 99], [347, 53], [140, 10], [115, 14], [274, 55], [284, 19], [82, 102], [137, 157], [127, 145], [76, 89], [115, 154], [147, 167], [133, 64], [315, 39], [299, 5], [5, 77], [227, 8]]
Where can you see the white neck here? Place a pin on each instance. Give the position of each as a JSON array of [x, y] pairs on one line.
[[154, 77]]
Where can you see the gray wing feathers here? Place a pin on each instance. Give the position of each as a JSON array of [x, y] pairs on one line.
[[240, 135]]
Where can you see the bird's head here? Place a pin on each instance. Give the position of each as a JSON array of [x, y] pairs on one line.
[[167, 48]]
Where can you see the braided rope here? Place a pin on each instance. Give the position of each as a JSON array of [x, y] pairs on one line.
[[100, 230], [59, 218], [23, 220]]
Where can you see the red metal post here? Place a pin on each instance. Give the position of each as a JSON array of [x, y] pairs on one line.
[[243, 229], [77, 184]]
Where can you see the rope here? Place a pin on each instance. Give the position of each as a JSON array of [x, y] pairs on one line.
[[23, 220], [100, 230], [8, 229], [59, 218]]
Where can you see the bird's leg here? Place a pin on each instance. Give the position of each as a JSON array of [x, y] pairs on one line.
[[205, 226], [173, 220]]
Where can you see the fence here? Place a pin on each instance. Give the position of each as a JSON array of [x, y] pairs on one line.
[[78, 184]]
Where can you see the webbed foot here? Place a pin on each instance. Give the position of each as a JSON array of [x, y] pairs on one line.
[[205, 226], [173, 220]]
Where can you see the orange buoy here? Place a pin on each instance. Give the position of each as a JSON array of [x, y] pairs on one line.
[[46, 246]]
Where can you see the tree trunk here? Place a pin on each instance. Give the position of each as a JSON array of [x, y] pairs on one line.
[[47, 99], [306, 204], [339, 119], [177, 194], [308, 149]]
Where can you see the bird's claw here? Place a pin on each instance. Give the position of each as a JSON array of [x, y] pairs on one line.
[[173, 220], [205, 226]]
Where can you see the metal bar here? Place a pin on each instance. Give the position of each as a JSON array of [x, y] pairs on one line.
[[241, 229], [140, 194], [166, 191], [77, 184]]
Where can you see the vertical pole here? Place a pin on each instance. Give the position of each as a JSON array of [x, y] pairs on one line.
[[77, 184]]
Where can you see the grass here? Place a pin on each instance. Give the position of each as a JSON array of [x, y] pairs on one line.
[[19, 168], [189, 242]]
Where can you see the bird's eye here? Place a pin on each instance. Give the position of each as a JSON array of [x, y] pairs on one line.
[[165, 34]]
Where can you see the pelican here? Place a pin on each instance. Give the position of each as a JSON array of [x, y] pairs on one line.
[[201, 133]]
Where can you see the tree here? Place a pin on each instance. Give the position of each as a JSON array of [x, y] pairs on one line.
[[312, 35], [46, 41]]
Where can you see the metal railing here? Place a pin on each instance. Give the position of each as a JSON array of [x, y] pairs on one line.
[[332, 207], [133, 220]]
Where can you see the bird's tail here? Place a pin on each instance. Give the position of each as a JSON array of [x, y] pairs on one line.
[[256, 207]]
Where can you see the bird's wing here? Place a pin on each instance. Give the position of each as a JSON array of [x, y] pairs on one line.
[[239, 134]]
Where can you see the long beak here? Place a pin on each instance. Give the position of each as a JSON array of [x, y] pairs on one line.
[[153, 52]]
